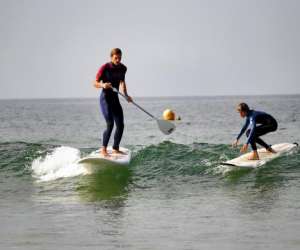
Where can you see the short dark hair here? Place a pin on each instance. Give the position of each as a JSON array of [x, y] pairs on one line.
[[116, 51], [243, 107]]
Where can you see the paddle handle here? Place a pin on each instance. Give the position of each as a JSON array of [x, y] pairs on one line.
[[134, 103]]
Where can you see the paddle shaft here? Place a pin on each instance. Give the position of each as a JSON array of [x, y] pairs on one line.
[[134, 103]]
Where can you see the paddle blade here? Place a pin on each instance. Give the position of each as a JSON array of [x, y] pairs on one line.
[[165, 126]]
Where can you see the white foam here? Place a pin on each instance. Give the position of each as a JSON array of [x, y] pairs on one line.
[[58, 164]]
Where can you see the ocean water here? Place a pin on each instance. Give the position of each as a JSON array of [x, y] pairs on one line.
[[174, 194]]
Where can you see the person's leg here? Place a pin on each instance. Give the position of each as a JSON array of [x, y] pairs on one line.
[[262, 130], [119, 120], [107, 114], [262, 143], [254, 155]]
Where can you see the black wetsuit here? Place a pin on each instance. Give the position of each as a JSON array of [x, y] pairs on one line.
[[267, 124], [109, 102]]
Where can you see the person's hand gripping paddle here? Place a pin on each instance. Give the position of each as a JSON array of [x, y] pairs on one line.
[[165, 127]]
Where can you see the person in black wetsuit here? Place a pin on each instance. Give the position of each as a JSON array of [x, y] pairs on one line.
[[267, 124], [112, 75]]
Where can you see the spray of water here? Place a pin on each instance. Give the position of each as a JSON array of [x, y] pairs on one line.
[[58, 164]]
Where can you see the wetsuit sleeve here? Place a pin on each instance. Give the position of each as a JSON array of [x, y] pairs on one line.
[[99, 75], [243, 129], [252, 130]]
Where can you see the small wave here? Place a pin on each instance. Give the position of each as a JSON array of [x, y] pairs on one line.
[[169, 159], [61, 162], [17, 156]]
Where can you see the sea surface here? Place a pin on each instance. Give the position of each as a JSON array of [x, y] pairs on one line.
[[173, 195]]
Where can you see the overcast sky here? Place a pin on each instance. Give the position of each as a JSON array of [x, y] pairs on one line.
[[53, 48]]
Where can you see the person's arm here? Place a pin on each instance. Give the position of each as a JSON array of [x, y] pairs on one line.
[[243, 129], [98, 83], [250, 136], [123, 88], [252, 130], [236, 142], [101, 84]]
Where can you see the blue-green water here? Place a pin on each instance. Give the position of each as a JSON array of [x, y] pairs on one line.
[[174, 194]]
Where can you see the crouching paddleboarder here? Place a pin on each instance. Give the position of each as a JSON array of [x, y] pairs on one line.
[[258, 123], [112, 75]]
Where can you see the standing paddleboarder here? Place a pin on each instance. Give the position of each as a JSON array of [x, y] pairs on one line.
[[267, 124], [112, 75]]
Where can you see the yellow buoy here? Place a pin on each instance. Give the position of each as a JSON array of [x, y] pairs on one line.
[[169, 115]]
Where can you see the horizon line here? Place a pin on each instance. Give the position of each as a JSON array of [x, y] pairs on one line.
[[171, 96]]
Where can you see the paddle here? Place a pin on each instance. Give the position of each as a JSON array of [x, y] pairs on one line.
[[165, 126]]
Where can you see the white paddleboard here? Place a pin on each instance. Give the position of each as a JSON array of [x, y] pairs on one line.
[[95, 160], [264, 156]]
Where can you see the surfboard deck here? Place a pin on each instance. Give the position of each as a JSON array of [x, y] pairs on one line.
[[264, 156], [95, 160]]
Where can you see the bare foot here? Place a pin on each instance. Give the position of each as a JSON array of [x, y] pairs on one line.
[[103, 152], [271, 150], [254, 156], [118, 152]]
